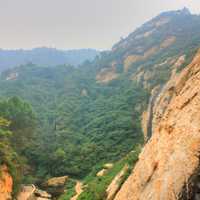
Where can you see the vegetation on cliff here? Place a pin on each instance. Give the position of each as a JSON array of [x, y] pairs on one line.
[[96, 186], [17, 123], [85, 117]]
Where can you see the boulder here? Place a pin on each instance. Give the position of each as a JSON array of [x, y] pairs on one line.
[[30, 192], [108, 166], [56, 186], [101, 173], [42, 194], [56, 181]]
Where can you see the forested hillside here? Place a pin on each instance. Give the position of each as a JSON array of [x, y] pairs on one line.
[[17, 128], [78, 118], [88, 116]]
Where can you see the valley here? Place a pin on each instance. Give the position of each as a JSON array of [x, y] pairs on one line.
[[123, 126]]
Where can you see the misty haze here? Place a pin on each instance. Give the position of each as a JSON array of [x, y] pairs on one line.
[[100, 100]]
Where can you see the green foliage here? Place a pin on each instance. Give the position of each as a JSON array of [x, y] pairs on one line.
[[76, 130], [70, 188], [22, 121], [96, 186], [15, 121], [4, 124], [7, 154], [76, 123]]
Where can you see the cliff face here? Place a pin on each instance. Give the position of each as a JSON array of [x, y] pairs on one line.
[[170, 160], [159, 100], [6, 183]]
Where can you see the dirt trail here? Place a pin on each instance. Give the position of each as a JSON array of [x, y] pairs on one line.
[[78, 189], [27, 192]]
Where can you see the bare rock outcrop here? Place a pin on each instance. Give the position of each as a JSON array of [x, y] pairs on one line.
[[105, 169], [56, 181], [160, 98], [78, 189], [42, 194], [26, 192], [30, 192], [6, 183], [164, 97], [116, 183], [107, 74], [101, 173], [108, 166], [56, 185], [170, 159]]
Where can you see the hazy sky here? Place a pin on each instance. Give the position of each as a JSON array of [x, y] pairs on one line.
[[70, 24]]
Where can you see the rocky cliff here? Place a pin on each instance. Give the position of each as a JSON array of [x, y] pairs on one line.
[[169, 163], [6, 183]]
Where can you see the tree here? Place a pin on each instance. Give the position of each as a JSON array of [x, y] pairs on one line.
[[21, 121], [4, 125]]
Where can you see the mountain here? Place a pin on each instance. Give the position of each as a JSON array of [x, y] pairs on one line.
[[169, 163], [45, 56], [105, 110]]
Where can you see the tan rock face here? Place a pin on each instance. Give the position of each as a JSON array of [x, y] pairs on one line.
[[129, 60], [168, 42], [145, 35], [78, 189], [171, 156], [27, 192], [6, 183], [101, 173], [30, 192], [108, 166], [42, 194], [107, 74], [57, 181], [115, 184]]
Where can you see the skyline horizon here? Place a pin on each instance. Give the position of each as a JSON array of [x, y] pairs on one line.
[[96, 47]]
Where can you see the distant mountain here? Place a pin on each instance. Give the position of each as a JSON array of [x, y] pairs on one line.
[[45, 56], [96, 113]]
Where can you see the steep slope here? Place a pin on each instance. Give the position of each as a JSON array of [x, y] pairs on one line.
[[91, 115], [149, 53], [170, 160], [78, 117]]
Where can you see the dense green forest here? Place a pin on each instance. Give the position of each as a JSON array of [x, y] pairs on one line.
[[80, 123], [66, 120], [17, 128]]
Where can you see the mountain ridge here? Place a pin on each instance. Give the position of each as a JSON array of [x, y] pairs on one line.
[[45, 56], [94, 114], [162, 171]]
